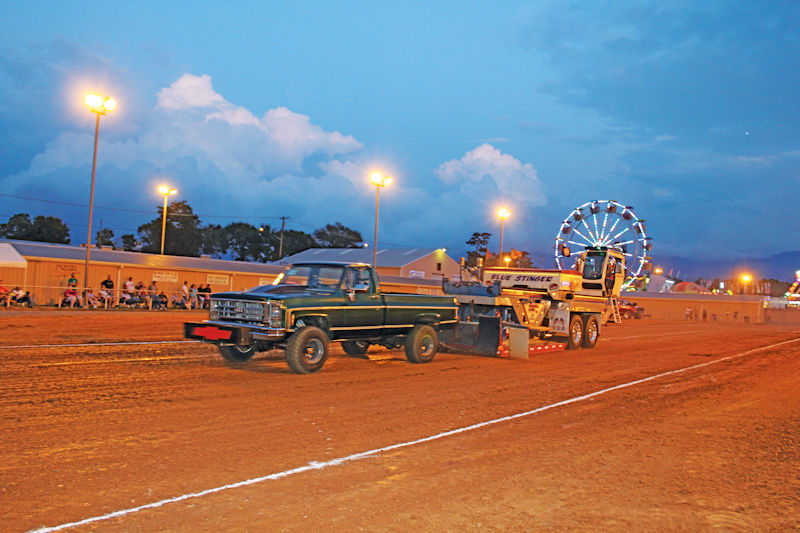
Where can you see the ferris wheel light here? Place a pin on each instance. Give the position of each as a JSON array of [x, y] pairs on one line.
[[606, 225]]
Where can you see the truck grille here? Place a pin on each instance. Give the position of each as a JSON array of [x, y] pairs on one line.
[[238, 311]]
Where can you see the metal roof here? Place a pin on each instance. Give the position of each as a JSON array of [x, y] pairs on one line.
[[65, 252], [387, 257]]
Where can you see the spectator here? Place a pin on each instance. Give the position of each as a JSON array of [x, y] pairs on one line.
[[72, 281], [152, 293], [205, 296], [20, 297], [128, 295], [4, 294], [107, 291], [185, 292], [91, 299], [178, 302], [193, 296], [72, 297], [160, 301]]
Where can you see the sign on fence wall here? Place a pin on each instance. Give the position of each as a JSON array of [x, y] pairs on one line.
[[217, 279], [265, 281], [162, 275]]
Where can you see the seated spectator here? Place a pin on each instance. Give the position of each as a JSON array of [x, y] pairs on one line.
[[20, 297], [178, 301], [72, 297], [160, 301], [107, 291], [72, 281], [124, 299], [5, 294], [141, 291], [91, 299]]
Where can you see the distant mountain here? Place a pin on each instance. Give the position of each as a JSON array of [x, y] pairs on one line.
[[781, 267]]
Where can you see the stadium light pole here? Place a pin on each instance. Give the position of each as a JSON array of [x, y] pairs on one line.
[[99, 106], [503, 213], [166, 191], [379, 180]]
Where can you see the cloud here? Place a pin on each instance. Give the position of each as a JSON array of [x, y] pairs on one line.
[[190, 92], [225, 160], [487, 167]]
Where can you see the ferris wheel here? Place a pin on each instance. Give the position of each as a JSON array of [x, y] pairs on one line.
[[609, 224]]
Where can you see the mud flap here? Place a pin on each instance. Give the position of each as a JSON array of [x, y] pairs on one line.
[[482, 338]]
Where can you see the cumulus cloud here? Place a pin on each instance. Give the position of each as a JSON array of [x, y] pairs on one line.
[[226, 160], [490, 167]]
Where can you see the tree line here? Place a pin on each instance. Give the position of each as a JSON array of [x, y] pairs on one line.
[[187, 236]]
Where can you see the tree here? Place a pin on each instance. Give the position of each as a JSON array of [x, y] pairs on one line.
[[42, 229], [105, 236], [246, 242], [213, 240], [480, 244], [297, 241], [18, 227], [129, 242], [183, 235], [337, 236]]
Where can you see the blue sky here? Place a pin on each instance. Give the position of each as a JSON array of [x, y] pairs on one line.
[[254, 110]]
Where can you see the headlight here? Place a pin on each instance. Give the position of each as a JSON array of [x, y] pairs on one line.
[[214, 310], [275, 316]]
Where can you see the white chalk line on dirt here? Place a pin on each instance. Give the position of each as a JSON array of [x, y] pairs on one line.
[[86, 344], [317, 465]]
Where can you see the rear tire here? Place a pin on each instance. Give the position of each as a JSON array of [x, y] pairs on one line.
[[356, 348], [575, 332], [307, 350], [237, 354], [591, 331], [421, 344]]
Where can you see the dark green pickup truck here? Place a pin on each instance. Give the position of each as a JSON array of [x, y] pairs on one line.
[[311, 304]]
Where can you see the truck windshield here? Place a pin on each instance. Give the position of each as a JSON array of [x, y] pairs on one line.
[[318, 277], [593, 265]]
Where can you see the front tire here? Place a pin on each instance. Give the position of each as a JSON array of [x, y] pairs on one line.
[[356, 348], [307, 350], [574, 332], [237, 354], [591, 331], [627, 315], [421, 344]]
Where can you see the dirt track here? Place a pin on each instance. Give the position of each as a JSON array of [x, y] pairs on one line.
[[87, 431]]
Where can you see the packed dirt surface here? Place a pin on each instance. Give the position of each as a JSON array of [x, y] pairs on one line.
[[663, 426]]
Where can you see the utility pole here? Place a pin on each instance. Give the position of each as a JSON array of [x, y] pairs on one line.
[[280, 246]]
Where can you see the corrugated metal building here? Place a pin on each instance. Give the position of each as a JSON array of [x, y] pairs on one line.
[[418, 263], [44, 268]]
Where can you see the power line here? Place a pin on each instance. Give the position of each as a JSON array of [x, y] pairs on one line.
[[132, 210]]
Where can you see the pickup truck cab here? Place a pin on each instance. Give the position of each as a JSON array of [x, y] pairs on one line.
[[312, 304]]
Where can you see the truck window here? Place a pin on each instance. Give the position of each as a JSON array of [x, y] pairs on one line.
[[593, 265], [320, 277], [360, 276]]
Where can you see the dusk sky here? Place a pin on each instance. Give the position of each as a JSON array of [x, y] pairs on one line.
[[687, 111]]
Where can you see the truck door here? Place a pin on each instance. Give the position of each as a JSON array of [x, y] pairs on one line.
[[364, 308]]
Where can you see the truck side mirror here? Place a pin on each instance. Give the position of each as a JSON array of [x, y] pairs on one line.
[[361, 287]]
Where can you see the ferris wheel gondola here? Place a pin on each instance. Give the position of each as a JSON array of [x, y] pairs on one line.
[[605, 224]]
